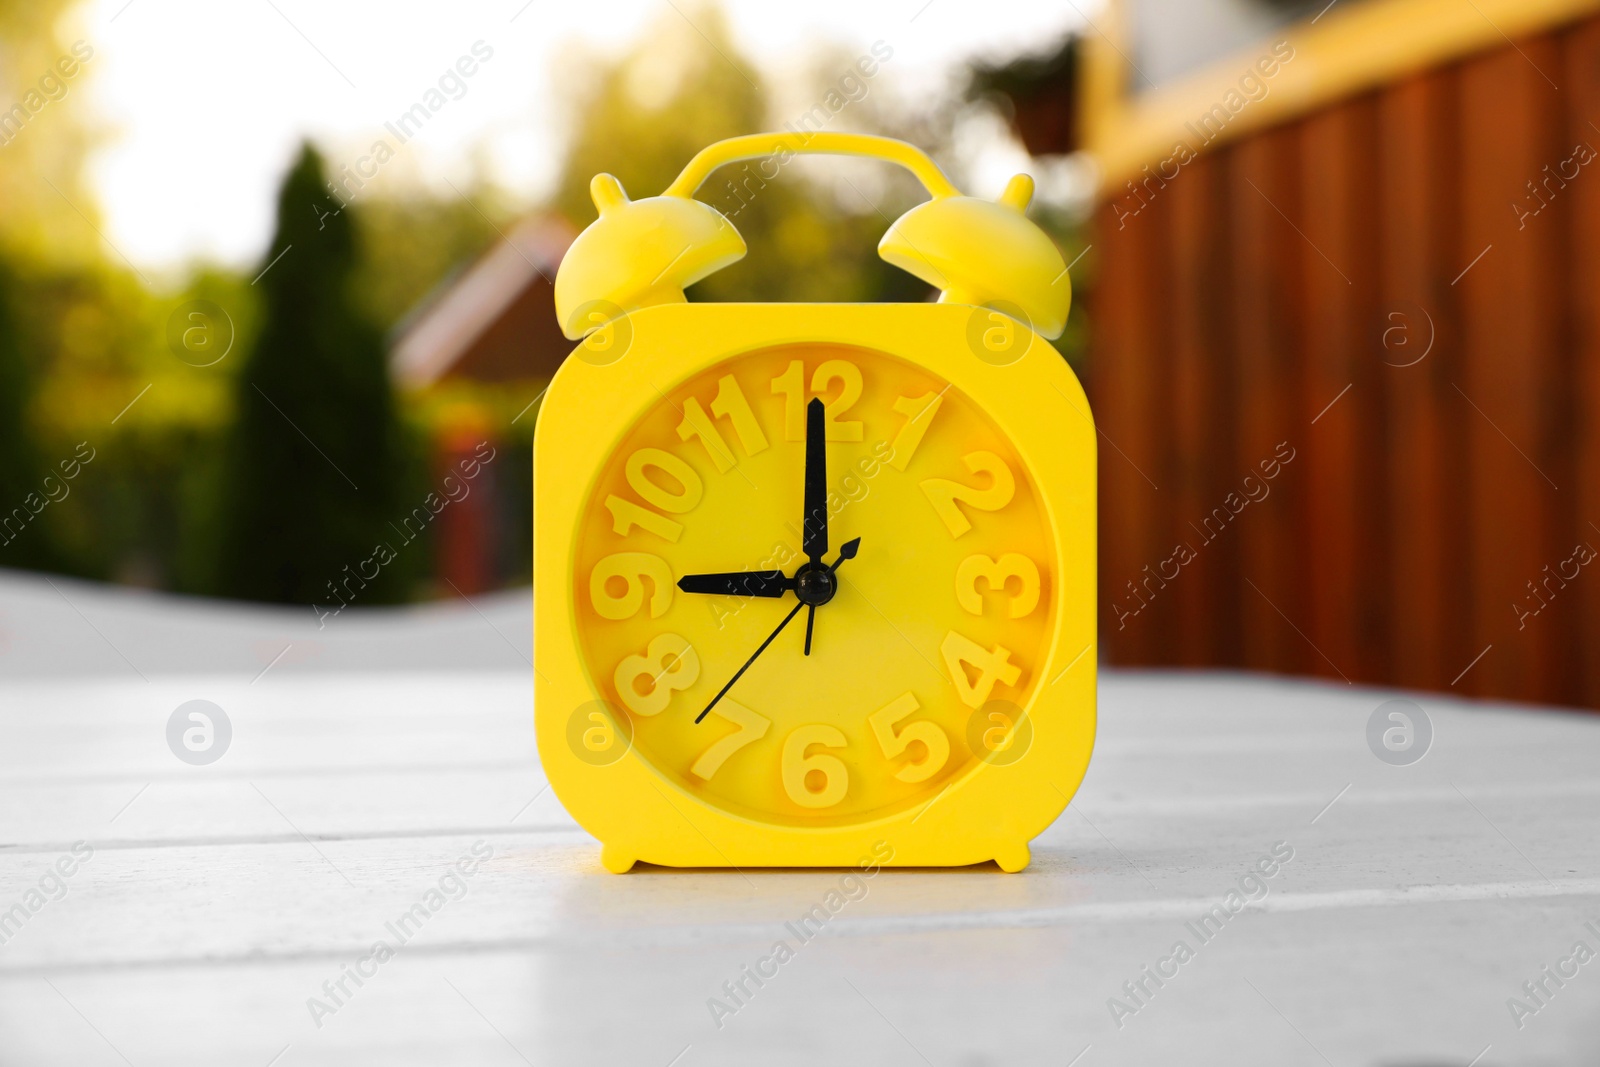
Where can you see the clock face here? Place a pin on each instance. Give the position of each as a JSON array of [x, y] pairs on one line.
[[925, 645]]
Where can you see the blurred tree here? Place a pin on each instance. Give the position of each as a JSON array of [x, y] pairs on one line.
[[24, 526], [412, 245], [316, 464], [643, 116], [43, 145]]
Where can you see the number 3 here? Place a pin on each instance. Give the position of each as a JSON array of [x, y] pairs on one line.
[[997, 572]]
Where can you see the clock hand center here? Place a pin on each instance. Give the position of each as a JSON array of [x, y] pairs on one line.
[[815, 583]]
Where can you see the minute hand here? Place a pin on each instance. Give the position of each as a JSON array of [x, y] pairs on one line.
[[814, 535]]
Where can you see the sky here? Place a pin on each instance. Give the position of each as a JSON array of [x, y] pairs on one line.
[[202, 103]]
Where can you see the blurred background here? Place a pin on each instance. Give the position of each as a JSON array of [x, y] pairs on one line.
[[275, 311]]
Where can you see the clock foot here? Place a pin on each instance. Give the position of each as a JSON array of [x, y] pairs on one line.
[[615, 860], [1012, 858]]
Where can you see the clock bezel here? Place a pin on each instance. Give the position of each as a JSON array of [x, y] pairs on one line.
[[991, 812]]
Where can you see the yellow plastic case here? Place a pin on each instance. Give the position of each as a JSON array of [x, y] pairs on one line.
[[1008, 750]]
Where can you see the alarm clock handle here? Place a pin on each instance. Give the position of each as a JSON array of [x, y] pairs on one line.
[[780, 146], [976, 252]]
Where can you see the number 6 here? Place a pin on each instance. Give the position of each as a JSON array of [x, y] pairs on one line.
[[797, 767]]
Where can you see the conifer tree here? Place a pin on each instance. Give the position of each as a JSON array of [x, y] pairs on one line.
[[315, 464], [23, 495]]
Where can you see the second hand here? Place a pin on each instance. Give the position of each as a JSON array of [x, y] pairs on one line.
[[846, 551], [740, 673]]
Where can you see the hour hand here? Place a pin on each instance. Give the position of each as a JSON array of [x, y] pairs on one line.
[[738, 583]]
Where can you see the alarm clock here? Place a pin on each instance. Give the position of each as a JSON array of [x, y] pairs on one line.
[[813, 583]]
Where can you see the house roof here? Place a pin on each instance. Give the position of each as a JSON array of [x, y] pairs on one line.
[[444, 330]]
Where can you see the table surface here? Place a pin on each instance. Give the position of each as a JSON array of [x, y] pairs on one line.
[[213, 912]]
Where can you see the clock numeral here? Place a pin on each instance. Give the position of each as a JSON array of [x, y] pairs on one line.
[[935, 745], [669, 663], [690, 488], [997, 572], [696, 423], [631, 568], [919, 412], [791, 384], [801, 772], [848, 375], [944, 493], [751, 728], [992, 664], [625, 514], [729, 404]]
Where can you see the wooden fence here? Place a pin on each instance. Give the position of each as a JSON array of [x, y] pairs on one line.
[[1391, 306]]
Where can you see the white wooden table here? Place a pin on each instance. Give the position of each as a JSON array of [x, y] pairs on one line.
[[220, 899]]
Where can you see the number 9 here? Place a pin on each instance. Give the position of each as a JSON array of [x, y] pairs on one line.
[[631, 568]]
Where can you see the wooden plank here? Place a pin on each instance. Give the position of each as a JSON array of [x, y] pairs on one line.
[[1509, 122], [1269, 267], [287, 902], [559, 1004], [1328, 410], [1581, 66], [1104, 381], [1417, 349], [205, 809], [1160, 616], [1126, 387], [1202, 598]]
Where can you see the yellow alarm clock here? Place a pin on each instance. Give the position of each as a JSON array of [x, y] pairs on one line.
[[814, 582]]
